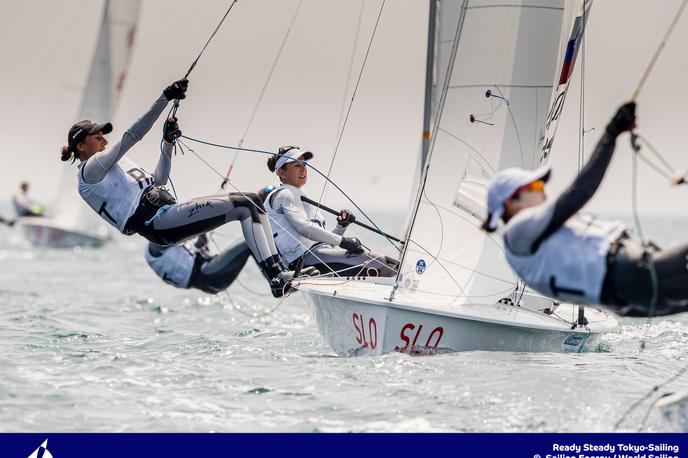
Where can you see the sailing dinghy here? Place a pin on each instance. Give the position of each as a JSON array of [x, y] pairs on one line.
[[71, 222], [503, 68]]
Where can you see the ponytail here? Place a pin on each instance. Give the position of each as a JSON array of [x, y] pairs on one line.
[[272, 162], [66, 154]]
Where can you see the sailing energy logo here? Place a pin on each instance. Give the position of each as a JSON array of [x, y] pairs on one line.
[[42, 451], [420, 266]]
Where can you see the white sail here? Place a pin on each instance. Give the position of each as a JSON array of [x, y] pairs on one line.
[[100, 97], [504, 63]]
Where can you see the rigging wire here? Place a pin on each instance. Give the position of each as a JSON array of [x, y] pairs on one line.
[[257, 151], [351, 65], [262, 93], [353, 97], [188, 72], [275, 222], [659, 50]]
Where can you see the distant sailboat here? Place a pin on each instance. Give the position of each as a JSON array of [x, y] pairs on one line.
[[71, 222], [503, 69]]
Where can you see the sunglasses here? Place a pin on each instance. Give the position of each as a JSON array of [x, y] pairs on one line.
[[536, 186]]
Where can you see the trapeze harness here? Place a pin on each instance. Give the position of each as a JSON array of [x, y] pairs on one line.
[[189, 265], [582, 259]]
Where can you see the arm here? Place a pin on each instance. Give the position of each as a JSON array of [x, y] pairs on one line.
[[95, 168], [295, 214], [162, 170], [589, 179], [531, 226]]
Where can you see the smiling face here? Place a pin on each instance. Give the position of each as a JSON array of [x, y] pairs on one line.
[[294, 173], [91, 145]]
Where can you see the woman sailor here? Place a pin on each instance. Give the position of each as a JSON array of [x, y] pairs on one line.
[[191, 265], [576, 257], [134, 201], [299, 227]]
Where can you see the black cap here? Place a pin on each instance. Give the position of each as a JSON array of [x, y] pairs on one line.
[[79, 131]]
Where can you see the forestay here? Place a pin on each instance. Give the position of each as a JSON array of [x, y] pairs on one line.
[[509, 65]]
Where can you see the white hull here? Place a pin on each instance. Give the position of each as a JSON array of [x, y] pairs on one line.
[[355, 322], [46, 232]]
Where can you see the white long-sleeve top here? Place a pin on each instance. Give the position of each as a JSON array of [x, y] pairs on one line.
[[297, 225]]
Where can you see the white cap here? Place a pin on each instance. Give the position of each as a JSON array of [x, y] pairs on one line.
[[292, 155], [505, 184]]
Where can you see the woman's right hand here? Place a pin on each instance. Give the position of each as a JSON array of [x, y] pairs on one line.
[[351, 245], [176, 90]]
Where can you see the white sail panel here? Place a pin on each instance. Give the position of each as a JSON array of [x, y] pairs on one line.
[[507, 58], [99, 102]]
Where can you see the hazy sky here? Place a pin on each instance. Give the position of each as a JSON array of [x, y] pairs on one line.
[[46, 47]]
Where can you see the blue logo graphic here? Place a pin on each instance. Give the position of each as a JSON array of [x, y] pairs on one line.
[[420, 266]]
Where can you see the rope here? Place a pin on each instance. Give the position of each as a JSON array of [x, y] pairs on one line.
[[581, 114], [257, 151], [659, 50], [262, 93], [273, 221], [346, 118], [188, 72]]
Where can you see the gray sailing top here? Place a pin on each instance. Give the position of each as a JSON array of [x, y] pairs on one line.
[[113, 185]]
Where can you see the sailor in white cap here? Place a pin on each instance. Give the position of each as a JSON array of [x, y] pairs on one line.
[[299, 227], [578, 258]]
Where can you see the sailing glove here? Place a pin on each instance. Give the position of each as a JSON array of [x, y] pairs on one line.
[[623, 120], [176, 90], [171, 132], [351, 245], [345, 218]]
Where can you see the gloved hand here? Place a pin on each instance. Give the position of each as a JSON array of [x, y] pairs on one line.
[[345, 218], [623, 120], [176, 90], [172, 131], [351, 245]]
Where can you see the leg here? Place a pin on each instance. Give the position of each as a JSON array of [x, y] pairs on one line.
[[633, 286], [327, 258], [185, 220], [219, 272]]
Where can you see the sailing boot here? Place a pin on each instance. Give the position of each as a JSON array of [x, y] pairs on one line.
[[279, 278], [298, 271]]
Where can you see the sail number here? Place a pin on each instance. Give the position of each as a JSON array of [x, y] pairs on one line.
[[413, 337], [366, 332], [411, 331]]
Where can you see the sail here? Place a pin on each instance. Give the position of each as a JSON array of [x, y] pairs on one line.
[[501, 69], [101, 93]]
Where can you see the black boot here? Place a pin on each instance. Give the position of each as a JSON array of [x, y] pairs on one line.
[[302, 272], [279, 279]]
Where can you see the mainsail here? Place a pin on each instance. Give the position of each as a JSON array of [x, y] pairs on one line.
[[100, 97], [500, 68]]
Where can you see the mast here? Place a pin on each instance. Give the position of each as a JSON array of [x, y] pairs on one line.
[[427, 154], [429, 80]]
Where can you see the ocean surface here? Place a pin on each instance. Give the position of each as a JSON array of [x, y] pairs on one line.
[[92, 340]]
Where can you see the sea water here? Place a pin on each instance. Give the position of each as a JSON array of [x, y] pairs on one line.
[[92, 340]]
